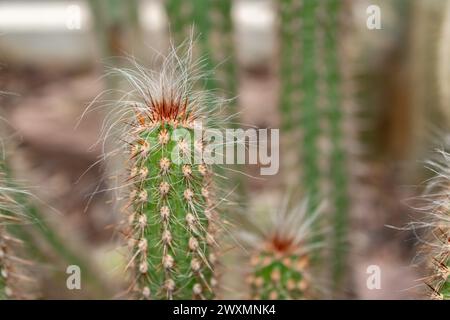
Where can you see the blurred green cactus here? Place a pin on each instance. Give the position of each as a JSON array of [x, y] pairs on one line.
[[33, 255]]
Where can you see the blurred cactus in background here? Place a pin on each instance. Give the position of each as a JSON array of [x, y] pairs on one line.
[[443, 65]]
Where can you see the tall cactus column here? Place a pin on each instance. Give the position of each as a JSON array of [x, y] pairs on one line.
[[211, 20], [173, 219], [312, 107]]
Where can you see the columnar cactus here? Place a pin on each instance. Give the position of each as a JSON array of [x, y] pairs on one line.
[[437, 245], [281, 256], [314, 110], [173, 219]]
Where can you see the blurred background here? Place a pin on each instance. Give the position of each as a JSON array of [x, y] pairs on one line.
[[394, 90]]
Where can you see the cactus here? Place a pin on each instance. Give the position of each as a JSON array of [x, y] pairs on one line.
[[173, 219], [212, 21], [437, 222], [314, 109], [29, 244], [280, 259]]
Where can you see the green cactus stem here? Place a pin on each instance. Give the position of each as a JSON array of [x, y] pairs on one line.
[[313, 111], [437, 221], [173, 219]]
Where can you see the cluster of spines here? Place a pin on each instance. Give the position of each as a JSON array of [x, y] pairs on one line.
[[28, 243], [5, 266], [312, 106], [277, 276], [173, 217]]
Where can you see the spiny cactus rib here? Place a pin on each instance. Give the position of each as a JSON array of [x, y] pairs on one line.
[[173, 221], [313, 108], [281, 256]]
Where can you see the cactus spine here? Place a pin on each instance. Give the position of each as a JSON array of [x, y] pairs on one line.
[[173, 221], [312, 107]]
